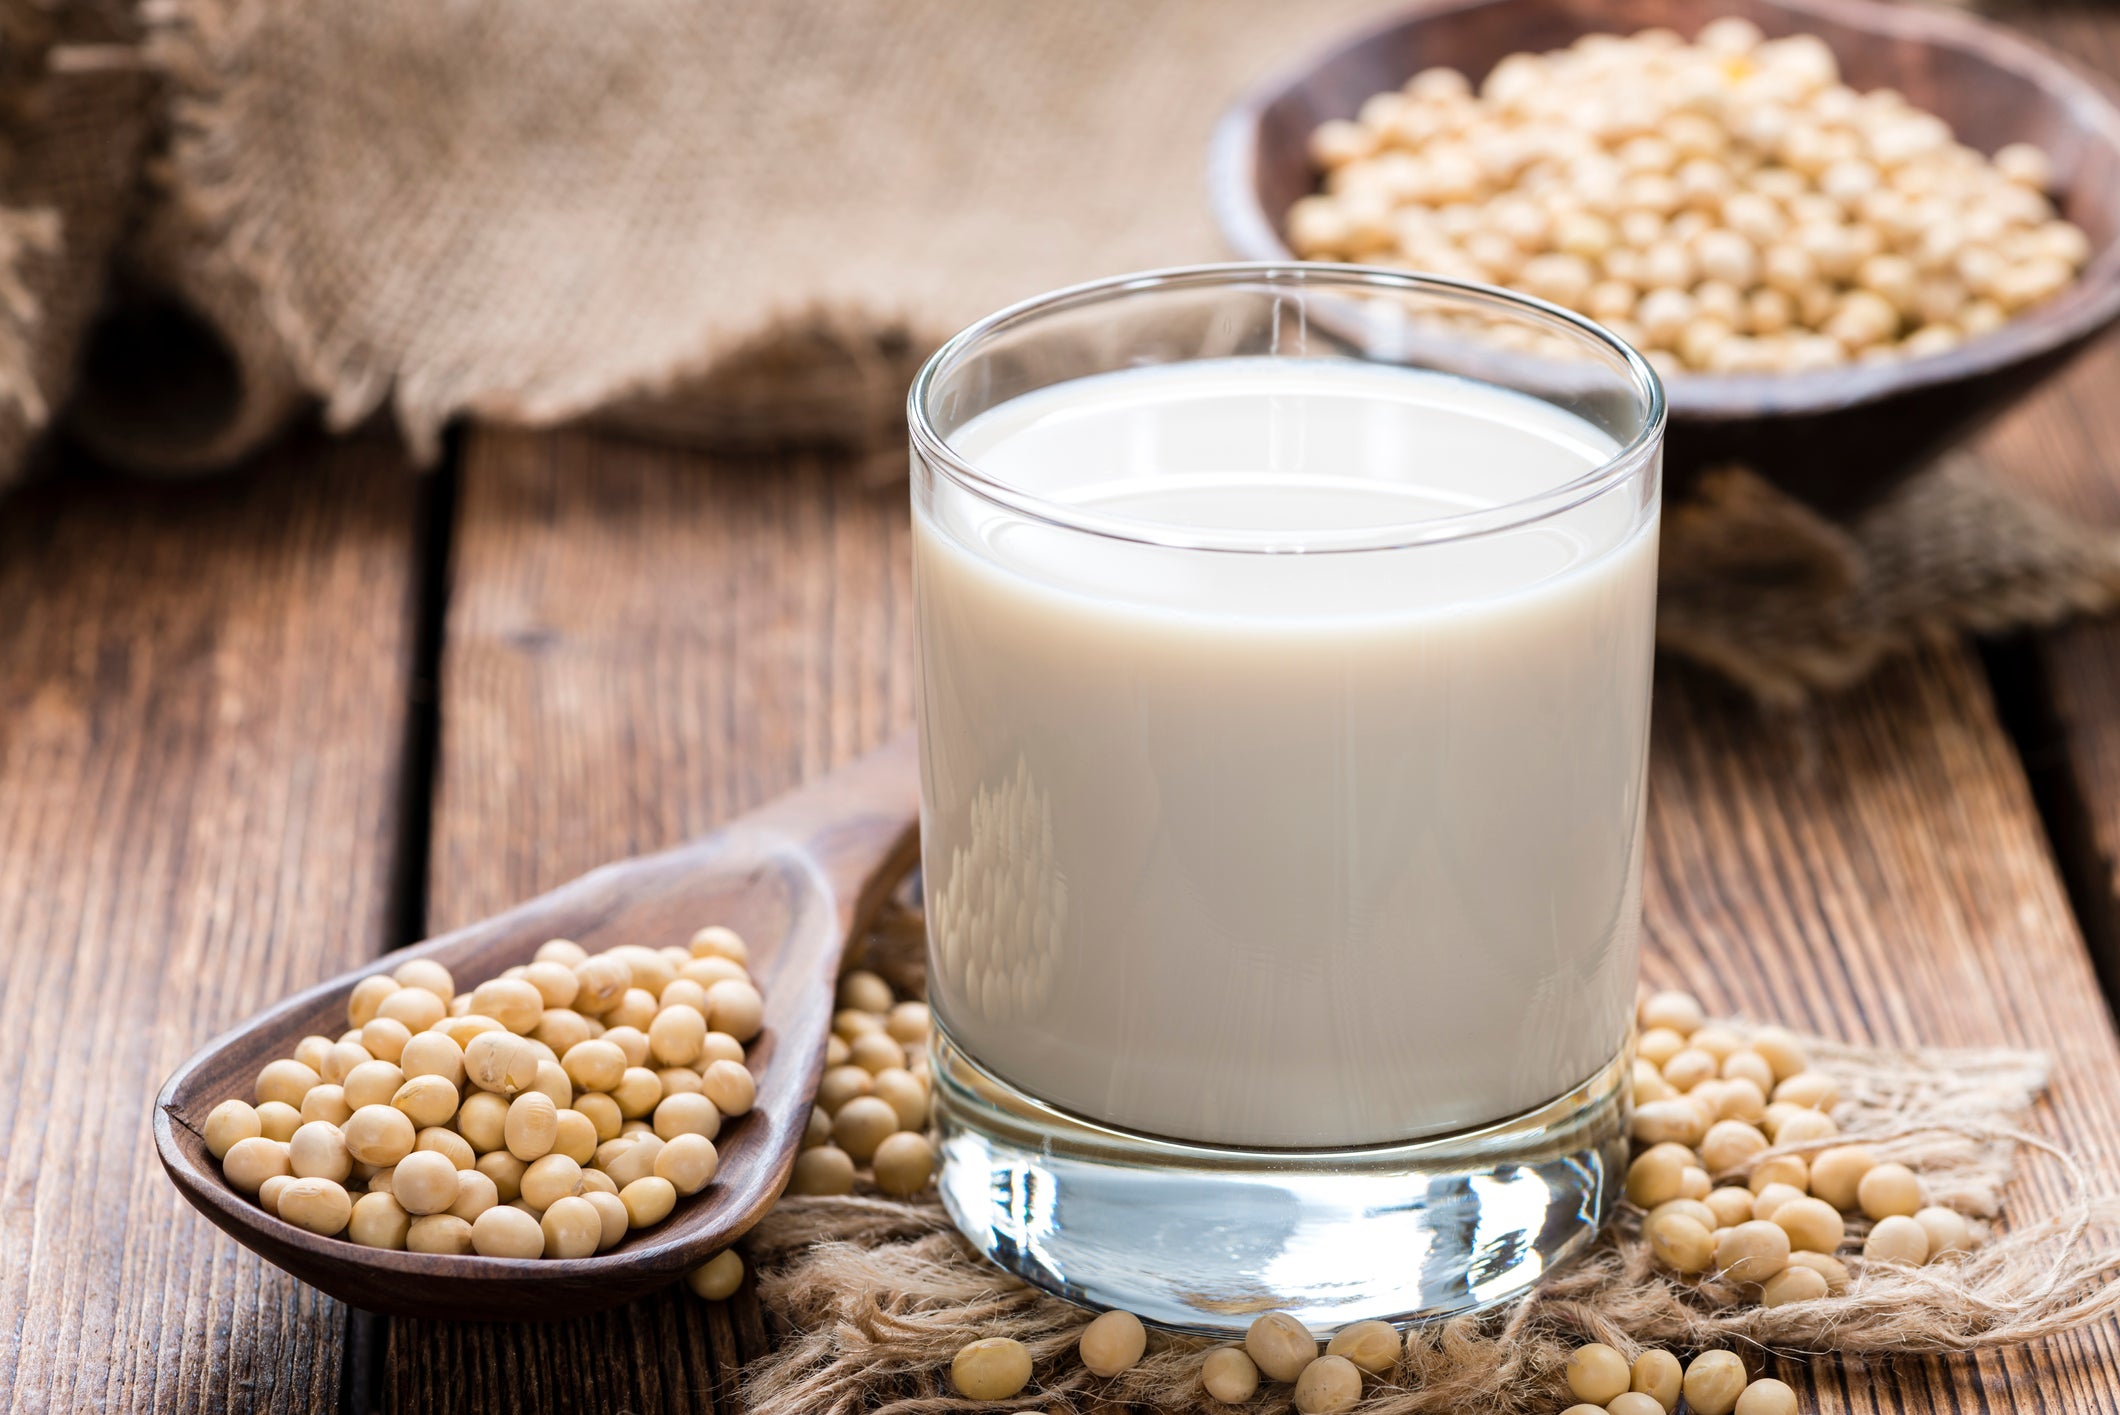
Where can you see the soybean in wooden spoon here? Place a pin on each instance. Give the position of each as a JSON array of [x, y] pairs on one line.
[[796, 879]]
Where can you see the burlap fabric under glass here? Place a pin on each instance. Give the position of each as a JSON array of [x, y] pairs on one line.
[[876, 1294], [741, 225]]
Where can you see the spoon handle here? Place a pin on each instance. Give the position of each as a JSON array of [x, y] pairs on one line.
[[860, 824]]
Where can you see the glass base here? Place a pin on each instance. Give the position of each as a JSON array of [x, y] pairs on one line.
[[1204, 1238]]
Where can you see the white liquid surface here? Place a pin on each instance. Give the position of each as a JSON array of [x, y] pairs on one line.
[[1283, 849]]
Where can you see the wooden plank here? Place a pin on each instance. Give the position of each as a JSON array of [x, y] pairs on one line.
[[202, 714], [1876, 871], [640, 644], [2064, 445]]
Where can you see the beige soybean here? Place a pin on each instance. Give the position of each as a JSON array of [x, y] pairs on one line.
[[572, 1228], [1730, 1145], [861, 1125], [1792, 1284], [1657, 1375], [378, 1221], [688, 1162], [506, 1172], [371, 1083], [716, 941], [531, 1125], [454, 1147], [1731, 1206], [904, 1163], [1596, 1373], [1947, 1230], [1373, 1346], [368, 995], [251, 1161], [909, 1023], [379, 1134], [327, 1103], [269, 1192], [1812, 1224], [680, 1080], [686, 1114], [1766, 1397], [1714, 1380], [823, 1169], [504, 1232], [1806, 1126], [1280, 1346], [424, 1182], [1634, 1403], [730, 1086], [594, 1065], [1825, 1265], [1888, 1190], [482, 1120], [319, 1205], [433, 1054], [611, 1210], [1771, 1198], [229, 1122], [1327, 1385], [1897, 1238], [417, 1008], [1682, 1243], [385, 1038], [1675, 1010], [648, 1200], [500, 1062], [1752, 1251], [1112, 1342], [638, 1092], [285, 1082], [318, 1151], [548, 1180], [633, 1158], [676, 1035], [736, 1008], [717, 1279], [426, 1100], [438, 1233], [1230, 1376], [841, 1084], [475, 1193], [1837, 1174], [993, 1369], [1780, 1169]]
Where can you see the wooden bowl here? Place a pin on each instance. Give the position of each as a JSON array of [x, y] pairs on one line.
[[1837, 438]]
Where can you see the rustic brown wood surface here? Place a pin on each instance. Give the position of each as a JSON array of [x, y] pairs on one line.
[[2065, 444], [202, 711]]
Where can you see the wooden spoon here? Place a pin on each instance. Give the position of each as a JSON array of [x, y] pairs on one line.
[[795, 878]]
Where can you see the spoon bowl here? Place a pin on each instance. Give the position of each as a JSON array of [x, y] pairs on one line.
[[796, 879]]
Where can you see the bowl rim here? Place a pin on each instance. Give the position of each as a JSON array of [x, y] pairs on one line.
[[2071, 318]]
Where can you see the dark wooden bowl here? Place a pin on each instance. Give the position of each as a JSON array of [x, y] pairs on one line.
[[794, 878], [1838, 438]]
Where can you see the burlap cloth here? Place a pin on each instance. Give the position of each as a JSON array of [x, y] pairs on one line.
[[738, 224], [873, 1296]]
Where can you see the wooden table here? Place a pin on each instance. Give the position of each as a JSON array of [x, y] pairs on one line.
[[256, 730]]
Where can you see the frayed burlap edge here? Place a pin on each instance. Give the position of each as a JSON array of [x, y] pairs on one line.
[[1787, 604], [878, 1294]]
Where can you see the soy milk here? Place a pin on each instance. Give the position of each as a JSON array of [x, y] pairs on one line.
[[1283, 846]]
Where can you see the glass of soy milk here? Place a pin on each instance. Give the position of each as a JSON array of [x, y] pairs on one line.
[[1285, 639]]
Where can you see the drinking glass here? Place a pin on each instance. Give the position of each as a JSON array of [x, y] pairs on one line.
[[1285, 637]]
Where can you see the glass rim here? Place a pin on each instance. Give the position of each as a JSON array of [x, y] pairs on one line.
[[1630, 459]]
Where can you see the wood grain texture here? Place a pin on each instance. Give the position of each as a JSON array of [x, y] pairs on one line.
[[640, 645], [202, 703], [1876, 871], [2064, 444]]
